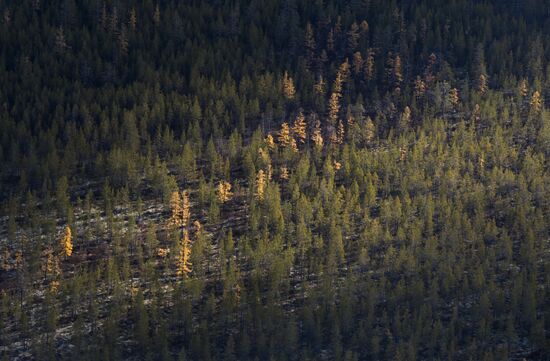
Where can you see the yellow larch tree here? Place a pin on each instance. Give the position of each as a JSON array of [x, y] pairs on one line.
[[284, 135], [269, 172], [51, 266], [475, 116], [369, 65], [481, 162], [310, 42], [333, 107], [133, 19], [340, 133], [317, 137], [402, 153], [288, 87], [482, 84], [270, 142], [224, 191], [18, 259], [357, 63], [397, 71], [523, 88], [6, 260], [334, 101], [536, 102], [350, 120], [264, 155], [52, 270], [175, 206], [67, 242], [293, 145], [453, 97], [185, 207], [163, 252], [419, 87], [260, 184], [198, 228], [406, 116], [370, 130], [299, 128], [319, 86], [181, 209], [184, 264], [156, 15], [284, 173]]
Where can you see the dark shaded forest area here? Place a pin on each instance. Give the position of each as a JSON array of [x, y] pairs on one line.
[[275, 180]]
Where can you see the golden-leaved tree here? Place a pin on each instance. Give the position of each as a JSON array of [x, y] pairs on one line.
[[183, 262], [317, 137], [224, 191], [260, 184], [334, 101], [299, 128], [67, 242], [175, 207], [536, 102], [284, 135], [288, 87], [181, 209]]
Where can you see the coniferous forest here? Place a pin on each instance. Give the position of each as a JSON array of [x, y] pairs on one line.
[[275, 180]]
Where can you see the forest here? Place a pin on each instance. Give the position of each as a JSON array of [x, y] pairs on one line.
[[275, 180]]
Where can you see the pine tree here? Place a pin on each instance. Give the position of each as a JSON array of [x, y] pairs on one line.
[[67, 242], [184, 264]]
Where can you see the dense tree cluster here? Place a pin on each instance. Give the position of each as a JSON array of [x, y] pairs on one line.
[[275, 180]]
